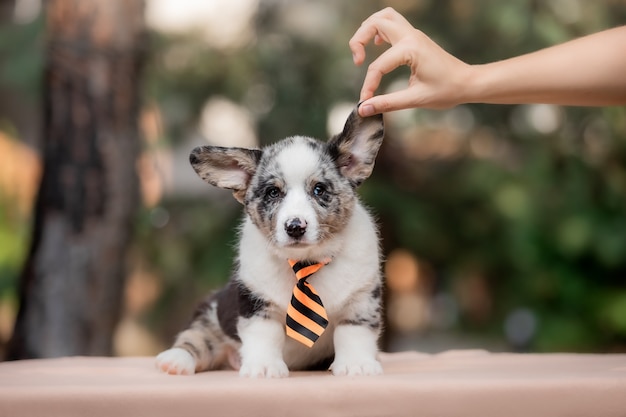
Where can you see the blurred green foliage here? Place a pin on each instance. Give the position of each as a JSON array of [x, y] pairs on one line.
[[21, 61], [20, 48], [543, 221]]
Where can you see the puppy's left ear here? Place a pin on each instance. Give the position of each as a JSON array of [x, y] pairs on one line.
[[354, 150]]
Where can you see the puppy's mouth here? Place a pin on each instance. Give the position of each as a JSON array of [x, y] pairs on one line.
[[305, 241], [298, 243]]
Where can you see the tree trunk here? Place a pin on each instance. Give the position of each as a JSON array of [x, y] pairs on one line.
[[72, 282]]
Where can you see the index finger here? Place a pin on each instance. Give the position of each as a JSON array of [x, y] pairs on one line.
[[389, 60], [368, 30], [386, 25], [361, 37]]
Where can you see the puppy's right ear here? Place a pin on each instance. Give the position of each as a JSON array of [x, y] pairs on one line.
[[230, 168]]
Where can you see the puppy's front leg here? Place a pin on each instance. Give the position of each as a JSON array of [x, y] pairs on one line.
[[262, 341], [356, 337], [355, 351]]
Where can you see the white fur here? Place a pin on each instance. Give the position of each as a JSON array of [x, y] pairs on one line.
[[297, 163], [176, 361], [261, 348], [355, 352]]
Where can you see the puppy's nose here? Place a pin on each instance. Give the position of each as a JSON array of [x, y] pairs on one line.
[[295, 227]]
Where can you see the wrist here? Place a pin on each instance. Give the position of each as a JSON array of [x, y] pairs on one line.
[[474, 86]]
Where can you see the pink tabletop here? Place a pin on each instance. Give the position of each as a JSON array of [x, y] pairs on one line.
[[455, 383]]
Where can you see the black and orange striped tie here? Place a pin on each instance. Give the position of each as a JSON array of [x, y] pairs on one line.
[[306, 316]]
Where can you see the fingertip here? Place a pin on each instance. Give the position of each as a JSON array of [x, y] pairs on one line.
[[358, 52], [366, 110]]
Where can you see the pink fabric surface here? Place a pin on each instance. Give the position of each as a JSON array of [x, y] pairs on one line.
[[456, 383]]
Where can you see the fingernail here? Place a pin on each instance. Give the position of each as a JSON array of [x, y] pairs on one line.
[[367, 110]]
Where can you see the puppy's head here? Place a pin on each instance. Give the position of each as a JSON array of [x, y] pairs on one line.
[[299, 192]]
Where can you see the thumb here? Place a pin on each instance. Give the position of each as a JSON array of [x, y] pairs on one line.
[[397, 100]]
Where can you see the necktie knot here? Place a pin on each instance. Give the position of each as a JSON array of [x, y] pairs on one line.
[[304, 269], [306, 315]]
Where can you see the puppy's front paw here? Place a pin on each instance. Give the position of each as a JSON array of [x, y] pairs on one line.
[[348, 367], [270, 369], [176, 361]]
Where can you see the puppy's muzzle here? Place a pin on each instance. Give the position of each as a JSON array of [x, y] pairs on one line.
[[295, 228]]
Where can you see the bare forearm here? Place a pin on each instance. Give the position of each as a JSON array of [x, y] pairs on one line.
[[588, 71]]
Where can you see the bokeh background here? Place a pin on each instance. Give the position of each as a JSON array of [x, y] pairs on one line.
[[503, 227]]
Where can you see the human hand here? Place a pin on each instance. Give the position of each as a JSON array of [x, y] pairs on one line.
[[437, 78]]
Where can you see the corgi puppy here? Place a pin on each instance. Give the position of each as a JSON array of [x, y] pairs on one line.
[[301, 206]]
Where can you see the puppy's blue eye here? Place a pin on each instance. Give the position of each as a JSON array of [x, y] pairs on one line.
[[319, 190], [272, 192]]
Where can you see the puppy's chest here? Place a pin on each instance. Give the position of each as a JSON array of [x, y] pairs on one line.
[[335, 287], [334, 291]]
